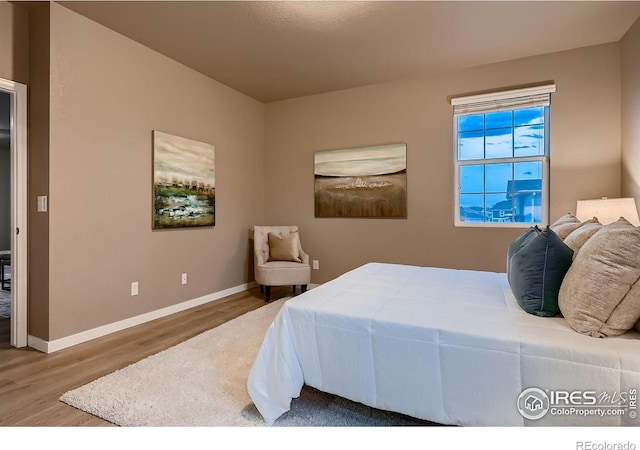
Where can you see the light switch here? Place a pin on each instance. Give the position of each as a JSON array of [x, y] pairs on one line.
[[42, 203]]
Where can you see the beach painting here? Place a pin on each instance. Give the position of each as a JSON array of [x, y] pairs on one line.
[[184, 181], [361, 182]]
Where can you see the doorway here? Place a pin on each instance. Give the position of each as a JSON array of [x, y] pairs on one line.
[[13, 217]]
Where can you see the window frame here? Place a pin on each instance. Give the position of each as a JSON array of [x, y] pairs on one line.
[[502, 101]]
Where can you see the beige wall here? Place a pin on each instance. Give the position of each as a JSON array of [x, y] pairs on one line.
[[107, 95], [14, 29], [24, 57], [38, 160], [630, 45], [585, 158]]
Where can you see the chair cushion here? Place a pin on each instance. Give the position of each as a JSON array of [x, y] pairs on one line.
[[280, 273], [284, 247]]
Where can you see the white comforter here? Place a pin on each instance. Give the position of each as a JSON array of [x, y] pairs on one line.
[[449, 346]]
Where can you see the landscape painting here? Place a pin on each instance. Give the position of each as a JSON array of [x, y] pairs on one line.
[[184, 180], [361, 182]]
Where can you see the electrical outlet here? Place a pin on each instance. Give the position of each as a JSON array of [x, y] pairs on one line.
[[316, 264], [134, 288], [184, 278]]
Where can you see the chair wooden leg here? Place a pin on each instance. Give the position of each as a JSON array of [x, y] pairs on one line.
[[293, 288], [267, 293], [303, 288], [262, 289]]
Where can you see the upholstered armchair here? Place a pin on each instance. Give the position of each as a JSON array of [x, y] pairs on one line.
[[279, 259]]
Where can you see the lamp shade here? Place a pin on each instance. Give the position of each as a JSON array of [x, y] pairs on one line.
[[608, 210]]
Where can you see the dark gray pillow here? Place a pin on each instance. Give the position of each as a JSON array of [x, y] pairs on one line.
[[521, 241], [536, 270]]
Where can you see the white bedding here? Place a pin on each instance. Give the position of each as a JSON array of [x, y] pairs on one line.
[[449, 346]]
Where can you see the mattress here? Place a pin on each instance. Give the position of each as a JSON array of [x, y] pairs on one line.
[[448, 346]]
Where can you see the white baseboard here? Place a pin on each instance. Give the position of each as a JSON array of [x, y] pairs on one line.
[[84, 336]]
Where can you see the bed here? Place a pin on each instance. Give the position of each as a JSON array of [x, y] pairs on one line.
[[444, 345]]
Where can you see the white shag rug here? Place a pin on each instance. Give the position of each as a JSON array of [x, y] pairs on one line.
[[203, 382]]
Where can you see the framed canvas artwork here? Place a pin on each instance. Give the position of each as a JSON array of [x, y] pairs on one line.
[[184, 193], [361, 182]]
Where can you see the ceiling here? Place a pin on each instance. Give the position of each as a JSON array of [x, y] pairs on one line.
[[274, 50]]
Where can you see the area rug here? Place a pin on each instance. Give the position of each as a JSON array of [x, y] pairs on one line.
[[203, 382], [5, 304]]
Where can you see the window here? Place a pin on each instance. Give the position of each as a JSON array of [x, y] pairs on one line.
[[501, 147]]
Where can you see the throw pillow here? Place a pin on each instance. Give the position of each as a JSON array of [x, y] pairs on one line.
[[536, 271], [568, 223], [578, 237], [519, 242], [284, 248], [600, 295], [618, 224], [567, 218]]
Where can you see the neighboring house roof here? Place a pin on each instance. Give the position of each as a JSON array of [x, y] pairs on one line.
[[523, 186]]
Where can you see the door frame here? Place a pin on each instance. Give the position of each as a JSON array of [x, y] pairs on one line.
[[19, 208]]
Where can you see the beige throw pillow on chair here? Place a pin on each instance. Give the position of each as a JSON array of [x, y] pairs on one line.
[[284, 248]]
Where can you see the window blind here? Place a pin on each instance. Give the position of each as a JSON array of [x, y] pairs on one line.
[[503, 100]]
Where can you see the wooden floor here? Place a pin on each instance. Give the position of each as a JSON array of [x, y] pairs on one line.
[[31, 382]]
